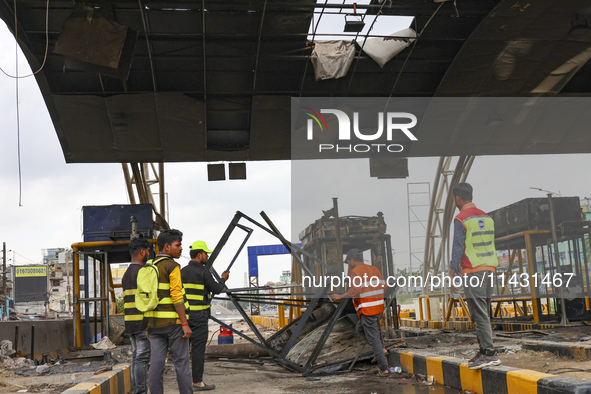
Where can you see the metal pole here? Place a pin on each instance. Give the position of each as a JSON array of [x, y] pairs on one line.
[[564, 320], [86, 303], [68, 284], [16, 339], [4, 280], [161, 190], [410, 242], [101, 283], [33, 343], [76, 278], [106, 301], [94, 291], [535, 294], [47, 292], [128, 183], [337, 225]]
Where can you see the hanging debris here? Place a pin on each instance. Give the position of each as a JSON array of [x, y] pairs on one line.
[[332, 59], [383, 49]]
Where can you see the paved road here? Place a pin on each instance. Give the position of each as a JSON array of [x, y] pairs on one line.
[[270, 378]]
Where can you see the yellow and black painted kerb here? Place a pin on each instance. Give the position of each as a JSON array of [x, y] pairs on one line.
[[579, 352], [454, 372], [117, 381], [522, 327]]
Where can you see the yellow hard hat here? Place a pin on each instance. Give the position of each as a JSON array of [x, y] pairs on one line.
[[200, 245]]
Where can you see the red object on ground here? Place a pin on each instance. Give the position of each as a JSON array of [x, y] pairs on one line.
[[226, 336]]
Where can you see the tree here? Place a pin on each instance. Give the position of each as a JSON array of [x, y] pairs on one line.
[[120, 304]]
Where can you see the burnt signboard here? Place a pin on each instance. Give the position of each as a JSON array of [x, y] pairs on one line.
[[30, 283]]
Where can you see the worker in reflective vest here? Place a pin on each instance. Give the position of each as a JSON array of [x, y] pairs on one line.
[[367, 290], [167, 324], [135, 324], [475, 258], [200, 285]]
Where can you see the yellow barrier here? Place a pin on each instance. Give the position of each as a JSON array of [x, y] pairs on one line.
[[279, 322], [506, 311], [268, 322]]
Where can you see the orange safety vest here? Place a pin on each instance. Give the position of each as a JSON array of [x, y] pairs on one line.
[[370, 301]]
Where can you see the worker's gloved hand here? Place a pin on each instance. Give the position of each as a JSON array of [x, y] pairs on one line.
[[225, 275], [336, 297]]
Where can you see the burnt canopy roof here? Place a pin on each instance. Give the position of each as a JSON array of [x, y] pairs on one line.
[[212, 80]]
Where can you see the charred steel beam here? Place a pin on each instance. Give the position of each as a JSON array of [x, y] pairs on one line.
[[468, 10], [258, 50], [260, 301], [318, 294], [281, 360]]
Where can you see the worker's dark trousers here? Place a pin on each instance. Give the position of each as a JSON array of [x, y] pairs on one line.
[[367, 328], [198, 321], [140, 347], [161, 341], [478, 291]]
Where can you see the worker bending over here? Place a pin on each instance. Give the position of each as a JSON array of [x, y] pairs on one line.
[[367, 290]]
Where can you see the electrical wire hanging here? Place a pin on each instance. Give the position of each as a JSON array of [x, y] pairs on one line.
[[18, 124], [16, 40]]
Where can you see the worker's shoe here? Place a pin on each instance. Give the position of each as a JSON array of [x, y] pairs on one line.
[[478, 353], [205, 387], [484, 361]]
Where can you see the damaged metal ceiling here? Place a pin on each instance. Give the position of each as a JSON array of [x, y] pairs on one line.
[[212, 80]]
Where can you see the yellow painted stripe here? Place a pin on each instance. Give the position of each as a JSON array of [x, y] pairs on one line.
[[162, 315], [84, 386], [435, 368], [524, 381], [472, 379], [96, 390], [134, 317], [579, 352], [406, 362], [127, 379], [193, 286], [114, 380]]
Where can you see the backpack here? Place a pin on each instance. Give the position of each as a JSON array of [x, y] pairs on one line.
[[146, 296]]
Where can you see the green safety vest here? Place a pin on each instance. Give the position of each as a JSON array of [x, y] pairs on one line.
[[165, 309], [480, 241]]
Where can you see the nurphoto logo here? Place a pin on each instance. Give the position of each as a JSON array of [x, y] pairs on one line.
[[389, 123]]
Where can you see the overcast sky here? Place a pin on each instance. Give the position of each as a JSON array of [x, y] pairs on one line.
[[53, 193]]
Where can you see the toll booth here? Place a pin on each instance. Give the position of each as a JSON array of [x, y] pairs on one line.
[[106, 231]]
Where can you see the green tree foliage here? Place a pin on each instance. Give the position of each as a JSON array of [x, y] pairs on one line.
[[120, 304]]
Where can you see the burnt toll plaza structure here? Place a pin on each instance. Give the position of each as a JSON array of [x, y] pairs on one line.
[[149, 82]]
